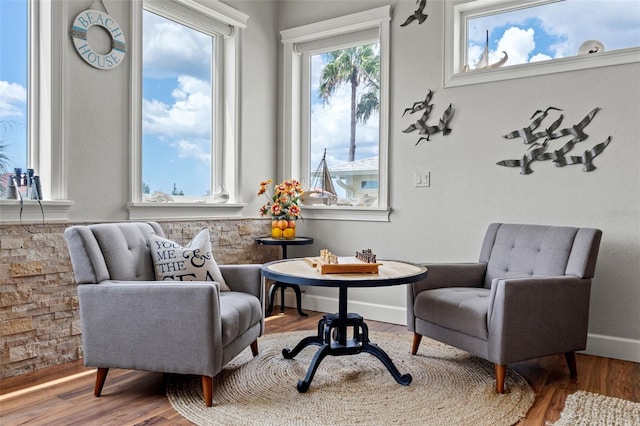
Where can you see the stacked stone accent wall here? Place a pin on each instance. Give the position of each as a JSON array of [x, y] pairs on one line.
[[39, 316]]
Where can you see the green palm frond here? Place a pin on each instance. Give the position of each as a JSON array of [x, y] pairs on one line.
[[369, 103], [4, 158]]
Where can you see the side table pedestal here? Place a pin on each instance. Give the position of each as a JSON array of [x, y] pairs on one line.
[[270, 241]]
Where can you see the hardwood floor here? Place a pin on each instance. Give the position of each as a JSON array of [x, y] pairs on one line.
[[63, 395]]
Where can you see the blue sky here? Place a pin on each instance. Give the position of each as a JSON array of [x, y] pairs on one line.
[[555, 30], [177, 85]]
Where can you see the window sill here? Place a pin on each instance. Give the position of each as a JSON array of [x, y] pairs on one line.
[[158, 211], [573, 63], [54, 211], [380, 214]]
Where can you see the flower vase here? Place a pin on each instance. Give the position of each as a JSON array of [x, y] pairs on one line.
[[283, 229]]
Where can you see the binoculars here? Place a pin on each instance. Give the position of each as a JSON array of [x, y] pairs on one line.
[[29, 180]]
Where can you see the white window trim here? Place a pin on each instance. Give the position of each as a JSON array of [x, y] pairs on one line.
[[456, 11], [292, 161], [226, 167], [47, 33]]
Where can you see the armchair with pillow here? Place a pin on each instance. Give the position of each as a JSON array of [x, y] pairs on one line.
[[146, 303], [526, 297]]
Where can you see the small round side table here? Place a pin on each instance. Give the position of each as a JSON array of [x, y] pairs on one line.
[[297, 241]]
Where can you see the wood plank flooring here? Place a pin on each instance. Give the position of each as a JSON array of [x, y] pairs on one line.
[[63, 395]]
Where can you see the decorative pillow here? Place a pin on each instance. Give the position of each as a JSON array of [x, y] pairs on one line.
[[192, 263]]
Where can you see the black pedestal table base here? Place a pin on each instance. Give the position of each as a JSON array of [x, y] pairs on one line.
[[333, 340]]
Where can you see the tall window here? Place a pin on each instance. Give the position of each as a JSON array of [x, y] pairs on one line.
[[32, 106], [14, 54], [344, 123], [336, 115], [485, 38], [177, 109], [184, 102]]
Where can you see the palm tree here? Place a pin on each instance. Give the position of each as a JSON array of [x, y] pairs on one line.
[[4, 158], [354, 66]]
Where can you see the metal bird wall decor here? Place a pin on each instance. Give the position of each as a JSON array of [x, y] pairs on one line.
[[538, 151], [424, 130], [418, 15]]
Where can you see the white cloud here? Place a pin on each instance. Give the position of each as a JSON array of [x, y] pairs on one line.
[[188, 116], [13, 99], [198, 150], [172, 49], [518, 44], [540, 57]]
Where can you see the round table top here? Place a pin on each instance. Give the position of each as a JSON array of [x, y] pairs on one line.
[[298, 271], [297, 241]]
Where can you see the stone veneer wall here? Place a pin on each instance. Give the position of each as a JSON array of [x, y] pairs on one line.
[[39, 316]]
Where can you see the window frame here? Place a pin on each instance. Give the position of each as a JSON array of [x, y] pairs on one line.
[[293, 160], [45, 109], [225, 107], [457, 11]]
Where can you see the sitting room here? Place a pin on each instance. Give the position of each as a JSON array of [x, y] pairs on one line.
[[319, 212]]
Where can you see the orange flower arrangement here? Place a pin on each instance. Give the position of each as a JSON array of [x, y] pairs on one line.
[[284, 202], [283, 205]]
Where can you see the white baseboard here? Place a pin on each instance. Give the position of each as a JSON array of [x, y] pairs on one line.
[[597, 344], [613, 347]]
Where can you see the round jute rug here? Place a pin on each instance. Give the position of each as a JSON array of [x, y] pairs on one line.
[[449, 387]]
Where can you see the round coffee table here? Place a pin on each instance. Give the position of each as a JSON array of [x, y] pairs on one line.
[[332, 336]]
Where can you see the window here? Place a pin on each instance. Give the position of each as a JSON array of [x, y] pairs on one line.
[[184, 139], [177, 109], [14, 73], [336, 115], [31, 108], [488, 40]]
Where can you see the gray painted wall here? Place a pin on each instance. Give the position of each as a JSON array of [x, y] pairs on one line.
[[445, 222]]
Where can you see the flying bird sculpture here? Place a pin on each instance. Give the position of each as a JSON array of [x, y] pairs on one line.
[[560, 157], [443, 126], [420, 105], [577, 131], [548, 133], [424, 130], [526, 133], [586, 159], [526, 160], [418, 15]]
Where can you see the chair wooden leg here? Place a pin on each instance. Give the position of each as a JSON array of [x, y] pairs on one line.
[[501, 371], [571, 362], [254, 347], [416, 342], [207, 390], [101, 376]]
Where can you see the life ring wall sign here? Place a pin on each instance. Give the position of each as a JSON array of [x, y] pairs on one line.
[[87, 19]]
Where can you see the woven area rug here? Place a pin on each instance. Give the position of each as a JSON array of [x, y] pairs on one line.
[[449, 387], [588, 409]]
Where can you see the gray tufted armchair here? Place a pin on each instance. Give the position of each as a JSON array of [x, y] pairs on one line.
[[527, 296], [131, 321]]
